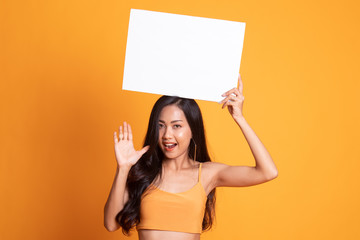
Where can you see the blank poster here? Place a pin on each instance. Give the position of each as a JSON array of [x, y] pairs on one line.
[[186, 56]]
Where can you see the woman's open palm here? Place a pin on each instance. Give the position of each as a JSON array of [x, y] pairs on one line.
[[125, 153]]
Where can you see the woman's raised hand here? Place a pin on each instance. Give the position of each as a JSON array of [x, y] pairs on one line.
[[234, 100], [125, 153]]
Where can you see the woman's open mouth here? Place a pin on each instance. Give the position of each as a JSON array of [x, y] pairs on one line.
[[169, 146]]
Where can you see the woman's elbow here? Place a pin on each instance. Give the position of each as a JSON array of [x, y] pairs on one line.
[[111, 225], [272, 175], [111, 228]]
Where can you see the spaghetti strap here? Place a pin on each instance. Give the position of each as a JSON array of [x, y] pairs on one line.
[[199, 172]]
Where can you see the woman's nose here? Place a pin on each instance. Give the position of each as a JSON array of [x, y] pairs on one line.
[[167, 133]]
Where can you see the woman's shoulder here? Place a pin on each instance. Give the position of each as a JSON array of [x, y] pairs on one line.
[[212, 168], [214, 165]]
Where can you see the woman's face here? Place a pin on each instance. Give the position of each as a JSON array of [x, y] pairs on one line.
[[174, 132]]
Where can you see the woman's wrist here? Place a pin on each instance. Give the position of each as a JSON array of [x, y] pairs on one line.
[[240, 120], [124, 168]]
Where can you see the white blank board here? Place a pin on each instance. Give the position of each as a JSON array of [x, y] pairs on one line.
[[179, 55]]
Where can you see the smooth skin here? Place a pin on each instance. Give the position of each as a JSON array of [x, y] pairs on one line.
[[179, 171]]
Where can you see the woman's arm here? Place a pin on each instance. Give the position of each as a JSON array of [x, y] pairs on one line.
[[126, 157], [117, 198], [237, 176]]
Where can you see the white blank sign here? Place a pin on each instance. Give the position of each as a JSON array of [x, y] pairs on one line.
[[179, 55]]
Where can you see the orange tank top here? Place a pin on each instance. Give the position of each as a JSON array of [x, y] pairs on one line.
[[180, 212]]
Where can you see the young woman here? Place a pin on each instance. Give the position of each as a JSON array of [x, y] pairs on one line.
[[167, 189]]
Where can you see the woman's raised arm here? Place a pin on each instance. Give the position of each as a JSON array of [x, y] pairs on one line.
[[237, 176], [126, 157]]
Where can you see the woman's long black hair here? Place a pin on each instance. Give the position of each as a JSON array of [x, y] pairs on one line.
[[149, 166]]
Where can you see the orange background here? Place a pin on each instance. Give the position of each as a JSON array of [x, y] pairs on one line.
[[61, 100]]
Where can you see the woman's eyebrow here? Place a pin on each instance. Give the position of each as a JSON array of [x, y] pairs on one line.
[[162, 121]]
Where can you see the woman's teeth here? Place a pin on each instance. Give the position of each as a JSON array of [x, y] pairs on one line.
[[170, 146]]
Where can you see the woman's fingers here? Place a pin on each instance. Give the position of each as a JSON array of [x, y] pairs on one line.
[[144, 150], [125, 131], [227, 103], [234, 91], [121, 135], [240, 84], [227, 100], [130, 132], [232, 100], [115, 138]]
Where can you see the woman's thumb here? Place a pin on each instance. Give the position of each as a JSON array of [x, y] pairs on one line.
[[144, 149]]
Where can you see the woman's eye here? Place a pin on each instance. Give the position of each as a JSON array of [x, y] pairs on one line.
[[177, 126], [161, 125]]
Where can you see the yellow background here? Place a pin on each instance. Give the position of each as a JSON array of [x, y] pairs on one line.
[[61, 100]]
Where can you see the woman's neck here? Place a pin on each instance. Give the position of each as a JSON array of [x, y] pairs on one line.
[[177, 164]]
